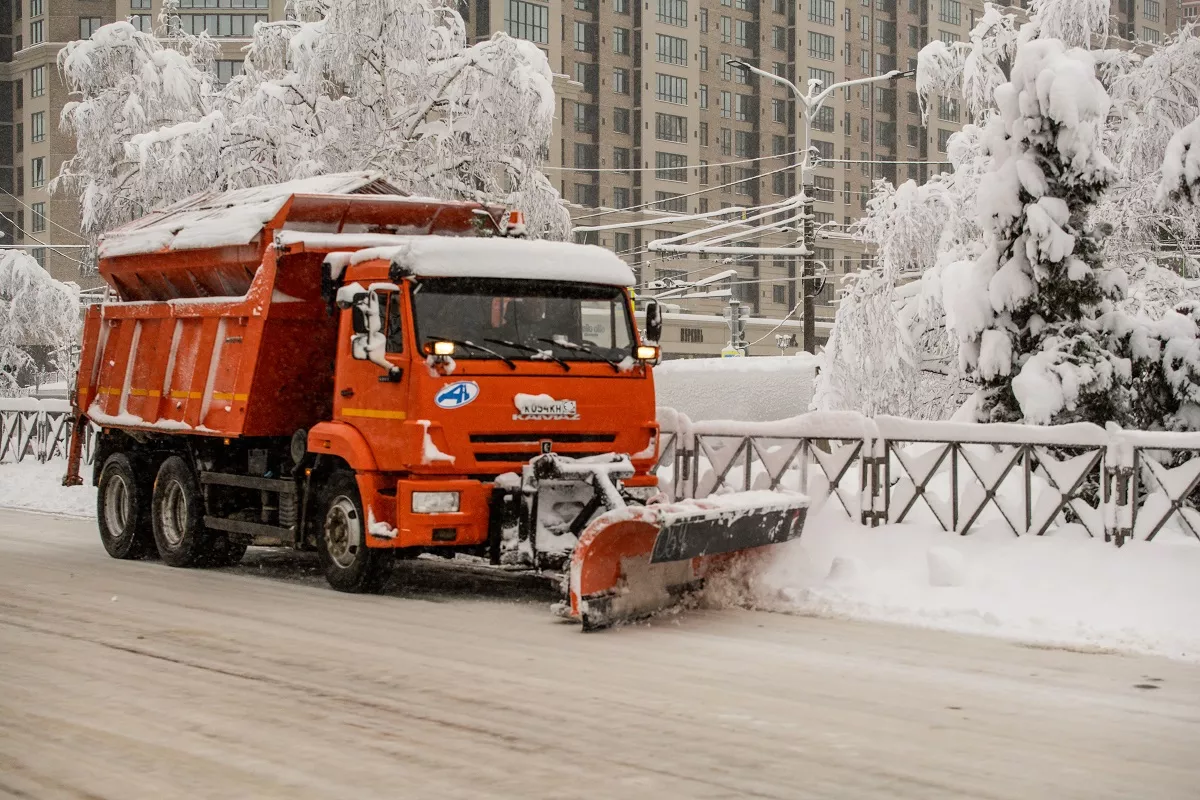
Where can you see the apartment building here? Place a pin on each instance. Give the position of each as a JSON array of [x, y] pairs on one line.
[[1189, 12]]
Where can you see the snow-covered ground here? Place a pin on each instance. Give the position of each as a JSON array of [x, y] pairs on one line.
[[1063, 588], [38, 487]]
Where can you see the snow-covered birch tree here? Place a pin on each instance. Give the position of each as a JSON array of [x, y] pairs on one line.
[[381, 85]]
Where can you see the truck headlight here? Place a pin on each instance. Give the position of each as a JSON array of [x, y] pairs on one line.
[[435, 502]]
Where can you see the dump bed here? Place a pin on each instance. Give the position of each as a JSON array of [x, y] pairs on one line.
[[220, 328]]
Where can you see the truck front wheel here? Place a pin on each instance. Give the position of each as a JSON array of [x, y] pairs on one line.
[[122, 510], [350, 566]]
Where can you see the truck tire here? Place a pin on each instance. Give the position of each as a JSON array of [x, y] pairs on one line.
[[177, 512], [340, 522], [123, 509]]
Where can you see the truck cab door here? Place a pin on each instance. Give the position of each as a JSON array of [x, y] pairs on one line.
[[371, 397]]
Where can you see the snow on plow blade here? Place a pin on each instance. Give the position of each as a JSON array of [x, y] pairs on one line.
[[634, 561]]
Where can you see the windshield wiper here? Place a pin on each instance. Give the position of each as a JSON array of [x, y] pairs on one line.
[[462, 343], [535, 350], [567, 344]]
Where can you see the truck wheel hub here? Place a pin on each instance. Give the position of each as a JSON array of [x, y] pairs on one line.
[[116, 504], [343, 532], [174, 513]]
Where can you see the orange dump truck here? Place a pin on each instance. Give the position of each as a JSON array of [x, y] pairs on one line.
[[312, 365]]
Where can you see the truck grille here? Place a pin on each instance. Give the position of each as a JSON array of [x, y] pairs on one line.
[[523, 446]]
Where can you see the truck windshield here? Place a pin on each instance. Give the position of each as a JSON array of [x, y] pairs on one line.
[[524, 319]]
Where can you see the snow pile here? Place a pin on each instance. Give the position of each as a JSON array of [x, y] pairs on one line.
[[756, 389], [1062, 588], [38, 487]]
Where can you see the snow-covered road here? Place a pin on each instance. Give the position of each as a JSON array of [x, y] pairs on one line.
[[127, 680]]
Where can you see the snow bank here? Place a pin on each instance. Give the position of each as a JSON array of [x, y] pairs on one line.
[[1062, 588], [756, 389], [38, 487]]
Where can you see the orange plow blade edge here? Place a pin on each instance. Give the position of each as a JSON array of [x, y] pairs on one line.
[[632, 562]]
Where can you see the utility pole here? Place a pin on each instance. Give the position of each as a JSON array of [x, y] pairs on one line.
[[810, 104]]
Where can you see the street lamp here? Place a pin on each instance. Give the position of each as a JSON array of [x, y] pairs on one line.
[[811, 104]]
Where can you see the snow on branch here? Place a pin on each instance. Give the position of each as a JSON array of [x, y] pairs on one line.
[[1181, 167], [1072, 22]]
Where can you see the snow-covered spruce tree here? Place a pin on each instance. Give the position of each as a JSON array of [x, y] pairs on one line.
[[35, 311], [381, 85], [1027, 310]]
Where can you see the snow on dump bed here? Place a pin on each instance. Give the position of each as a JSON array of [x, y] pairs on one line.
[[491, 257], [219, 219]]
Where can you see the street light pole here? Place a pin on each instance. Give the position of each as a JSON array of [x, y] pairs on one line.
[[810, 104]]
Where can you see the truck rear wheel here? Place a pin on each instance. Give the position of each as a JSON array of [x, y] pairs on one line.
[[122, 509], [350, 566], [177, 512]]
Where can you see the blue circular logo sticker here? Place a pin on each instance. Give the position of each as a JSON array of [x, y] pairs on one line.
[[456, 395]]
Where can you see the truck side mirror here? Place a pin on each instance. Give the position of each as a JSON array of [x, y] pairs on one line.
[[654, 321]]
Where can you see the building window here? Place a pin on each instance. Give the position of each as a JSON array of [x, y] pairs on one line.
[[824, 149], [744, 109], [1150, 10], [37, 172], [585, 37], [823, 217], [621, 41], [703, 58], [621, 200], [779, 145], [672, 50], [779, 38], [88, 26], [864, 129], [621, 159], [914, 136], [947, 37], [236, 25], [779, 183], [669, 201], [620, 80], [589, 76], [239, 4], [1151, 35], [744, 143], [671, 89], [585, 118], [779, 110], [39, 255], [587, 194], [583, 5], [691, 335], [528, 21], [950, 12], [823, 121], [37, 32], [704, 134], [864, 28], [621, 243], [670, 167], [228, 70], [726, 142], [586, 156], [36, 7], [747, 181], [703, 96], [947, 109], [141, 22], [726, 104], [704, 20], [673, 12], [820, 46], [37, 126], [39, 217], [703, 172], [914, 36], [741, 33], [821, 11], [670, 128], [885, 32], [846, 193], [823, 75], [885, 133], [884, 63], [943, 139], [620, 120]]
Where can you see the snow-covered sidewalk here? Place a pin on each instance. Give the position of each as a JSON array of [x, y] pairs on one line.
[[1063, 588]]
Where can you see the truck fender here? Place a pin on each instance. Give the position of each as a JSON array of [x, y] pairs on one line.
[[344, 441]]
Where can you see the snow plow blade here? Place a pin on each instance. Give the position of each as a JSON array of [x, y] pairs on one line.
[[635, 561]]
